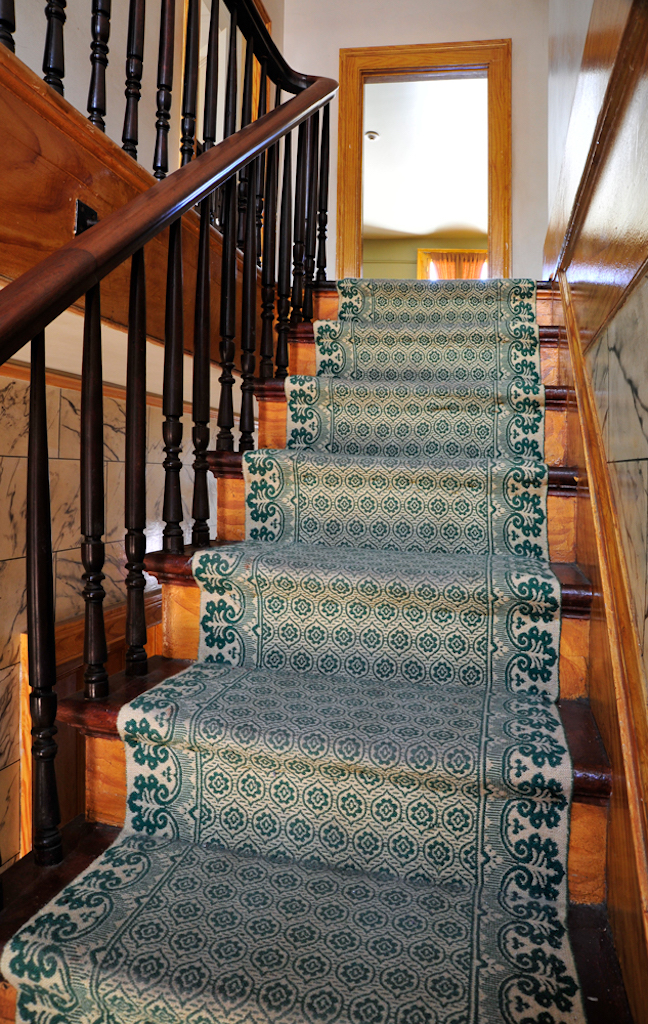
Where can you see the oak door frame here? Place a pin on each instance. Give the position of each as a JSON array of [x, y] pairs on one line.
[[361, 64]]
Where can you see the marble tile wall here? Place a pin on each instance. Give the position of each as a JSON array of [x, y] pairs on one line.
[[618, 366], [63, 418]]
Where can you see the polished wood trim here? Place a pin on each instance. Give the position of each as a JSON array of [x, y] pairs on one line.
[[360, 64], [32, 301], [628, 868]]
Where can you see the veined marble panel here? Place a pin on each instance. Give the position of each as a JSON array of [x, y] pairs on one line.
[[70, 430], [9, 715], [13, 609], [115, 478], [9, 812], [114, 410], [65, 499], [13, 506], [154, 506], [14, 417], [154, 439], [598, 363], [69, 584], [630, 486], [628, 379]]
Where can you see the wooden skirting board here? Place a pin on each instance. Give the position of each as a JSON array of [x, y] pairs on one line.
[[616, 689]]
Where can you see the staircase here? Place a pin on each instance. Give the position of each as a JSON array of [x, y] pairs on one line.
[[374, 794]]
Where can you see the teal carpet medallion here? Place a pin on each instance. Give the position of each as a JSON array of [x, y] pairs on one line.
[[354, 808]]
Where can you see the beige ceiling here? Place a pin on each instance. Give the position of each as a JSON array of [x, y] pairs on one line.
[[427, 172]]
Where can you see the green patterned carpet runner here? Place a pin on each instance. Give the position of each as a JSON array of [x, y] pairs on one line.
[[354, 808]]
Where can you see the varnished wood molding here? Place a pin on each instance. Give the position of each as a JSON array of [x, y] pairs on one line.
[[629, 916], [360, 65]]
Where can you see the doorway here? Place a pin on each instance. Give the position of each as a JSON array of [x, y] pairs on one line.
[[374, 81]]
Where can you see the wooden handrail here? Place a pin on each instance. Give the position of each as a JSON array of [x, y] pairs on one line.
[[30, 303]]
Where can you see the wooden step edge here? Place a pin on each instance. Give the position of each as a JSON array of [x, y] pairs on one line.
[[563, 480], [304, 334], [576, 589], [592, 771], [99, 717]]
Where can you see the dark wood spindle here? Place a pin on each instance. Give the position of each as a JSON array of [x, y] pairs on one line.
[[225, 439], [266, 365], [100, 26], [211, 81], [135, 504], [261, 161], [172, 398], [299, 231], [7, 24], [244, 189], [322, 213], [201, 371], [311, 221], [248, 324], [54, 55], [190, 88], [134, 67], [285, 248], [92, 500], [40, 622], [164, 87]]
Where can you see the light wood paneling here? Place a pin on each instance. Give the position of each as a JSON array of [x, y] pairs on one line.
[[7, 1003], [301, 358], [53, 156], [230, 516], [105, 779], [574, 658], [616, 690], [587, 849], [180, 619], [555, 437], [561, 527], [358, 66], [272, 423], [325, 304]]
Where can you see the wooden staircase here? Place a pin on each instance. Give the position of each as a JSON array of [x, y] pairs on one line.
[[97, 721]]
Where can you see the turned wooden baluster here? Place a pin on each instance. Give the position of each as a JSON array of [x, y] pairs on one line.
[[266, 365], [285, 247], [225, 439], [134, 67], [54, 56], [261, 161], [164, 87], [245, 190], [248, 323], [299, 232], [190, 88], [311, 221], [40, 622], [202, 329], [92, 500], [135, 504], [7, 24], [172, 397], [99, 59], [322, 214]]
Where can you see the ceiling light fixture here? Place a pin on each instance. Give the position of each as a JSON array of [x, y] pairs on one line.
[[372, 136]]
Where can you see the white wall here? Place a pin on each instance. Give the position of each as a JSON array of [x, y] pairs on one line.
[[315, 31], [568, 24]]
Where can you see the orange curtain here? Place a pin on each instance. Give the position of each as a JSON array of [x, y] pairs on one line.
[[458, 265]]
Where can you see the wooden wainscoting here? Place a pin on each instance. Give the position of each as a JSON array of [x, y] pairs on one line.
[[70, 760]]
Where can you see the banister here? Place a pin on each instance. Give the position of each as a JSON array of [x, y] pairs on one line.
[[32, 301], [251, 24]]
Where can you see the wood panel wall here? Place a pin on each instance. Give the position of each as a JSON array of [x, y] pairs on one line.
[[597, 250], [52, 156]]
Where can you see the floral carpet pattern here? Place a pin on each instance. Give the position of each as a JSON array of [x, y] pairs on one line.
[[354, 807]]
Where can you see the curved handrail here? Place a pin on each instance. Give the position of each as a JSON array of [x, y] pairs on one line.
[[251, 24], [32, 301]]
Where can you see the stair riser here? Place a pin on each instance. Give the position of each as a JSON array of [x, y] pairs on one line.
[[561, 517], [272, 429], [106, 802]]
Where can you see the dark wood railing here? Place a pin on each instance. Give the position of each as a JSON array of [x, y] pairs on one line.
[[236, 185]]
